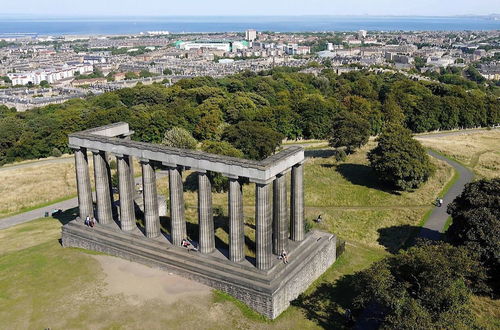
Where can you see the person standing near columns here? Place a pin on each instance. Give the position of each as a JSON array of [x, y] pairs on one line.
[[85, 203], [103, 194], [236, 224], [263, 224], [176, 191], [125, 188], [151, 216], [297, 203], [205, 214]]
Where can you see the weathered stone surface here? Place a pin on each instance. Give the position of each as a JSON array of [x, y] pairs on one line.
[[102, 186], [86, 205], [297, 229], [267, 292], [281, 221], [236, 225], [263, 226], [176, 192], [127, 191], [205, 214], [151, 217]]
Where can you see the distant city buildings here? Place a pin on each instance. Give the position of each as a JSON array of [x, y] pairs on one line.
[[250, 35]]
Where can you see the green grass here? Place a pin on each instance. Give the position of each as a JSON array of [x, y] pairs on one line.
[[447, 225]]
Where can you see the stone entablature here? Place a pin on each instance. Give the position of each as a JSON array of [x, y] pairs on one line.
[[103, 139]]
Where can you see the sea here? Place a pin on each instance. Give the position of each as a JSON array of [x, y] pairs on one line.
[[55, 26]]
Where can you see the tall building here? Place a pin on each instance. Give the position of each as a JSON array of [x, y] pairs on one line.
[[362, 34], [250, 35]]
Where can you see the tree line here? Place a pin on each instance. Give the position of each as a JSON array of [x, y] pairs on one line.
[[274, 104]]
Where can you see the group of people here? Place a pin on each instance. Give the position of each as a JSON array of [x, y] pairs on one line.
[[90, 222], [284, 256]]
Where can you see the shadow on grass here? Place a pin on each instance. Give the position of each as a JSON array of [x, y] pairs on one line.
[[319, 153], [327, 304], [396, 238], [363, 175]]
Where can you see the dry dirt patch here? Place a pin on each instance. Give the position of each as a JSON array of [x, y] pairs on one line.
[[139, 283]]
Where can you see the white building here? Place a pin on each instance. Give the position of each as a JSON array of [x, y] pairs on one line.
[[362, 34], [51, 75], [250, 35]]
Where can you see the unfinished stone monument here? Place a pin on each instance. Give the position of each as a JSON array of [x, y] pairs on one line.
[[264, 283]]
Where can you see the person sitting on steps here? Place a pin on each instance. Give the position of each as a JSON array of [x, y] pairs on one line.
[[284, 256]]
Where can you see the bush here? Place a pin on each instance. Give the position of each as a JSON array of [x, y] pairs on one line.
[[476, 224], [400, 160], [179, 137], [425, 287], [340, 155], [350, 131], [56, 152]]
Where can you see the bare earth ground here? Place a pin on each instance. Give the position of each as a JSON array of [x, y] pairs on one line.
[[479, 151]]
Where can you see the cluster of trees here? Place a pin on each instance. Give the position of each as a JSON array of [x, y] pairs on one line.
[[276, 103], [429, 286]]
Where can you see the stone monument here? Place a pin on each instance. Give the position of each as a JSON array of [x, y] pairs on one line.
[[264, 283]]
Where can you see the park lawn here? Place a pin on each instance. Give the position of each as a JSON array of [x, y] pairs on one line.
[[479, 151], [43, 285]]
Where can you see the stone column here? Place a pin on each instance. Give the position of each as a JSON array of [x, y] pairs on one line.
[[151, 217], [102, 192], [236, 225], [205, 214], [176, 205], [281, 222], [85, 203], [297, 203], [263, 223], [126, 189]]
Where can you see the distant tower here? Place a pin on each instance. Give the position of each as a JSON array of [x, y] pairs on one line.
[[250, 35], [329, 46], [362, 34]]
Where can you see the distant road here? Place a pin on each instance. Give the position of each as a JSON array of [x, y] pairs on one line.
[[66, 159]]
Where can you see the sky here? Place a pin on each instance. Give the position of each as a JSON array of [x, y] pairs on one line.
[[247, 8]]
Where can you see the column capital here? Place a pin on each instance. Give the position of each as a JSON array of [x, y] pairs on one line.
[[117, 155], [95, 151], [302, 162], [284, 172], [231, 176], [200, 171], [75, 147]]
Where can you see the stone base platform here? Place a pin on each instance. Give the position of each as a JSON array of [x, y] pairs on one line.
[[267, 292]]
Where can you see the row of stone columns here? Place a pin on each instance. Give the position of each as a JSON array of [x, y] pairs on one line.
[[274, 226]]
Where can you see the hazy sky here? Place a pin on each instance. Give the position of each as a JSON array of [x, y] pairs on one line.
[[248, 7]]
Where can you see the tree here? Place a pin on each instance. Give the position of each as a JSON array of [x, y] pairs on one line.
[[44, 84], [425, 287], [220, 182], [167, 72], [476, 223], [399, 160], [350, 131], [179, 137], [256, 140], [131, 76]]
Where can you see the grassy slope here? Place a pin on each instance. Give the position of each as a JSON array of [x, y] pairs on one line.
[[57, 287]]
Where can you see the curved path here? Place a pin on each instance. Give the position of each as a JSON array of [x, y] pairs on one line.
[[437, 219]]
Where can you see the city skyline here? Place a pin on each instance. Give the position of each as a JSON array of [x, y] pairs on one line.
[[117, 8]]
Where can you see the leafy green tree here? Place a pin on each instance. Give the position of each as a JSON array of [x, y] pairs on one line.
[[131, 76], [44, 84], [256, 140], [476, 224], [350, 131], [179, 137], [167, 71], [425, 287], [220, 182], [399, 159]]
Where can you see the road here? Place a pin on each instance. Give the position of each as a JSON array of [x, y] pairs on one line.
[[437, 219]]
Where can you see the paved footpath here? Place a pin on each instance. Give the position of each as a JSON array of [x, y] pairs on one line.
[[437, 219], [40, 213]]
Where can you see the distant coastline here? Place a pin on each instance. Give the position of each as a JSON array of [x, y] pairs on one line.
[[31, 25]]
